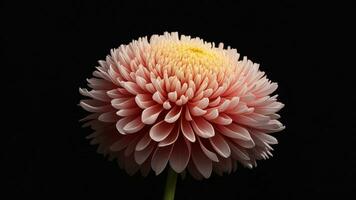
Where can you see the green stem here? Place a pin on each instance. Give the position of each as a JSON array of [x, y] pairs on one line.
[[170, 185]]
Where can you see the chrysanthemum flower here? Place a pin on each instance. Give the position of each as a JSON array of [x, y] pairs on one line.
[[183, 102]]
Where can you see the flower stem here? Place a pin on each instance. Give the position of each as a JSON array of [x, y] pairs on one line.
[[170, 185]]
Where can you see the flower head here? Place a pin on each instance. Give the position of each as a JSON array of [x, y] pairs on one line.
[[182, 101]]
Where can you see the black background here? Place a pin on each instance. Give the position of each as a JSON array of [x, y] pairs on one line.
[[50, 48]]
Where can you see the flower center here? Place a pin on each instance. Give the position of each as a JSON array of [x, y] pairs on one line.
[[196, 51], [187, 57]]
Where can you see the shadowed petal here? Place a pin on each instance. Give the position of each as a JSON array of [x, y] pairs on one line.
[[160, 158], [212, 156], [150, 115], [171, 138], [202, 127], [202, 163], [143, 143], [220, 145], [173, 114], [161, 130], [187, 130], [134, 125], [234, 131], [141, 156], [180, 155]]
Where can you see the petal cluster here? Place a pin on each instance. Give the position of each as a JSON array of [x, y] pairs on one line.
[[179, 101]]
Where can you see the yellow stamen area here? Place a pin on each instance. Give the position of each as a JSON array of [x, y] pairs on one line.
[[189, 56]]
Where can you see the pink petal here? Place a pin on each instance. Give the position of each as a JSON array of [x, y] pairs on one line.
[[150, 115], [122, 143], [238, 153], [128, 112], [265, 137], [167, 105], [267, 90], [134, 125], [94, 106], [241, 108], [144, 101], [173, 114], [131, 166], [196, 111], [141, 156], [214, 102], [131, 147], [270, 109], [247, 144], [187, 115], [202, 127], [161, 130], [212, 156], [132, 87], [194, 172], [158, 97], [220, 145], [108, 117], [123, 103], [160, 158], [187, 130], [100, 84], [211, 114], [95, 94], [202, 163], [145, 169], [180, 155], [143, 143], [203, 103], [172, 96], [234, 131], [271, 126], [222, 107], [222, 119], [245, 120], [171, 138], [114, 94], [141, 82], [122, 123]]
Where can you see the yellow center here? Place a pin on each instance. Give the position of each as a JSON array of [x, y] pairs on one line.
[[189, 56], [196, 51]]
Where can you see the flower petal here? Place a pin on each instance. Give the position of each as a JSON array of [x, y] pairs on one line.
[[212, 156], [265, 137], [180, 155], [171, 138], [122, 123], [141, 156], [187, 130], [202, 127], [132, 87], [222, 119], [161, 130], [143, 143], [128, 112], [122, 143], [173, 114], [234, 131], [202, 163], [144, 101], [160, 158], [150, 115], [220, 145], [108, 117], [134, 125]]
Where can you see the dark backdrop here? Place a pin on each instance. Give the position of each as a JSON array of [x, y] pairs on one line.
[[50, 48]]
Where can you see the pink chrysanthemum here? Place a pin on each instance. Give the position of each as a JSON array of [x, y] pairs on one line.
[[182, 101]]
